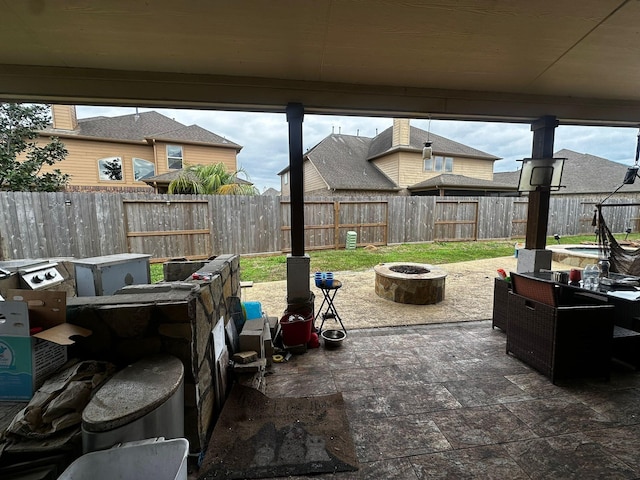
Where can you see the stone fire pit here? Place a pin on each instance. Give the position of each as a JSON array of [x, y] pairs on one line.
[[414, 283]]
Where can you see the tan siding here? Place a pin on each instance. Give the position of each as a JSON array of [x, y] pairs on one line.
[[285, 188], [473, 168], [401, 131], [389, 165], [312, 179], [64, 117], [197, 155], [411, 169], [82, 160]]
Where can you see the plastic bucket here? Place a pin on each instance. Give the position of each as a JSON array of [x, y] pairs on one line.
[[296, 329], [160, 460]]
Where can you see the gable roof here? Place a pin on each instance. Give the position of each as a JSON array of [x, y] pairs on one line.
[[271, 192], [341, 160], [141, 127], [583, 174], [344, 161], [382, 144]]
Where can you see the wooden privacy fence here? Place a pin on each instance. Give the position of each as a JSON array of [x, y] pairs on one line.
[[51, 225], [456, 220], [166, 229], [327, 223]]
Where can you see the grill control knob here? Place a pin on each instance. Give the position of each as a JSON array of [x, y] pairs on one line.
[[50, 275], [37, 279]]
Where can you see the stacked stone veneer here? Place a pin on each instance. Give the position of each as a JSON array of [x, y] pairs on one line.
[[175, 318]]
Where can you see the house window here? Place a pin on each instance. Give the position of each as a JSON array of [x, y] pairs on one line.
[[448, 164], [143, 169], [438, 164], [285, 177], [174, 157], [110, 169]]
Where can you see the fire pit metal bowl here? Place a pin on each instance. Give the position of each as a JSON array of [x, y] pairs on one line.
[[413, 283]]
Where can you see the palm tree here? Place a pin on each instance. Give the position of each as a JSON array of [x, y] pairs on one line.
[[210, 179]]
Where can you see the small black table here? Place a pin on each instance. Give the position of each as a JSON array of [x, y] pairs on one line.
[[329, 293]]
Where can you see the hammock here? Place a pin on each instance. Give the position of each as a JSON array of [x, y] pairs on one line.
[[621, 260]]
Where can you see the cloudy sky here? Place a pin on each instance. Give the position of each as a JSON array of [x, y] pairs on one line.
[[264, 136]]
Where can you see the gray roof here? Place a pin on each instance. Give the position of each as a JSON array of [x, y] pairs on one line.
[[448, 180], [382, 144], [583, 174], [197, 134], [142, 126], [341, 160], [344, 161], [507, 178], [272, 192]]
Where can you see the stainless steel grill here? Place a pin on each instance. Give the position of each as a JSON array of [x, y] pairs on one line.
[[33, 274]]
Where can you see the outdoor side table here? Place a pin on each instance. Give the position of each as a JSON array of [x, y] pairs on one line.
[[329, 294]]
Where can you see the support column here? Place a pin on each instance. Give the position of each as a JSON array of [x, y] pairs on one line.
[[535, 256], [298, 264]]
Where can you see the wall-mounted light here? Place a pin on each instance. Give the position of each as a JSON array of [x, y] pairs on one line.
[[427, 151]]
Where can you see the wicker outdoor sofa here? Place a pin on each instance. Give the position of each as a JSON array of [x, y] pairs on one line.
[[555, 335]]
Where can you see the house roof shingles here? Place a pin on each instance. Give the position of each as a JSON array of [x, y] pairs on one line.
[[341, 160], [448, 180], [382, 144], [582, 174], [140, 127]]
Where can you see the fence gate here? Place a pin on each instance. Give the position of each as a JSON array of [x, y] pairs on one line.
[[519, 219], [455, 220], [327, 223], [168, 229]]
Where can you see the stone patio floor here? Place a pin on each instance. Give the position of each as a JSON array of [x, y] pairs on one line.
[[444, 401]]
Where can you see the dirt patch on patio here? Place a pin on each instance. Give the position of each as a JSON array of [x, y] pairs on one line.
[[468, 296]]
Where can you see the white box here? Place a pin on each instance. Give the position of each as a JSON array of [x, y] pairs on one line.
[[533, 260], [26, 359]]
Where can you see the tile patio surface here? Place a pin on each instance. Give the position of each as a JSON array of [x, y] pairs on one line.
[[444, 401]]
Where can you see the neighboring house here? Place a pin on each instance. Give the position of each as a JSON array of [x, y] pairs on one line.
[[583, 174], [272, 192], [391, 164], [122, 153]]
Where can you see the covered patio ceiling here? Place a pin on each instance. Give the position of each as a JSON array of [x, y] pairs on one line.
[[501, 60]]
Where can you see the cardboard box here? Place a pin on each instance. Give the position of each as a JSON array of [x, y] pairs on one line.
[[255, 324], [33, 340], [252, 340]]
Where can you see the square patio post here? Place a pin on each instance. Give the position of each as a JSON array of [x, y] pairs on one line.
[[536, 257], [298, 264]]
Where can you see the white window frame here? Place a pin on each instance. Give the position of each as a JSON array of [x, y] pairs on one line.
[[438, 163], [285, 178], [135, 173], [105, 178], [448, 164], [169, 157]]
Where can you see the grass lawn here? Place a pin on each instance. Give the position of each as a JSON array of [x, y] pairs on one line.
[[274, 267]]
